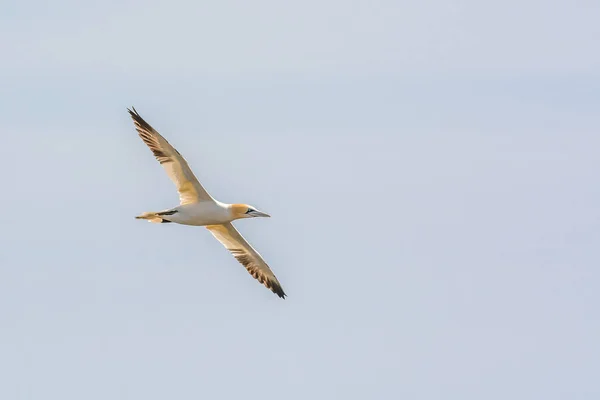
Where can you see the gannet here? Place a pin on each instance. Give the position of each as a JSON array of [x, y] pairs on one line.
[[198, 208]]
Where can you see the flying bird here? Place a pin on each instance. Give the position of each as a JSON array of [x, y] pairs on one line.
[[198, 208]]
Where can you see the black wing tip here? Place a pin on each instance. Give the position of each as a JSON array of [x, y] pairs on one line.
[[133, 113], [278, 290], [137, 118]]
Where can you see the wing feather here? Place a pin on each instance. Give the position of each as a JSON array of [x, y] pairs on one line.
[[247, 256], [178, 170]]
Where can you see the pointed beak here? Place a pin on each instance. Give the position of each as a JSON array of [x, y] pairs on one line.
[[260, 214]]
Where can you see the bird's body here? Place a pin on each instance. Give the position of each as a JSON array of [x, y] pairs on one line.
[[202, 214], [196, 214], [198, 208]]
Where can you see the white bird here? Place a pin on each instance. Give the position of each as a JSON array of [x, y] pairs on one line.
[[198, 208]]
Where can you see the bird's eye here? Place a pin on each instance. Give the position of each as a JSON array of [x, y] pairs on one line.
[[249, 211]]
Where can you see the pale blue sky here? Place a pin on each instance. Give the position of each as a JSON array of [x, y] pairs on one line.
[[431, 170]]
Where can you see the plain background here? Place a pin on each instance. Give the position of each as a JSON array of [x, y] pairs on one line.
[[431, 168]]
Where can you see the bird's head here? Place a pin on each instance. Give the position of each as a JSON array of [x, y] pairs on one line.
[[246, 211]]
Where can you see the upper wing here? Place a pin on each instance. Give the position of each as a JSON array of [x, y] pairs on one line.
[[247, 256], [190, 190]]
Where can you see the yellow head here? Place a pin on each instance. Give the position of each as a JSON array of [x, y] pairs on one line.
[[245, 211]]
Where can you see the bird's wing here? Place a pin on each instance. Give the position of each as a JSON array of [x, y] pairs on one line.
[[190, 190], [247, 256]]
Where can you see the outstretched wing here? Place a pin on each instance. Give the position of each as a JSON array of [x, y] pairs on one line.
[[247, 256], [190, 190]]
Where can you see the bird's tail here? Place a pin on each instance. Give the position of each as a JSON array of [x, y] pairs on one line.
[[152, 217]]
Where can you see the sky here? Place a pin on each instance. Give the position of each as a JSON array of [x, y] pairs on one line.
[[430, 168]]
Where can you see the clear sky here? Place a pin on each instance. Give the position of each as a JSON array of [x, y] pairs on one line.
[[431, 169]]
